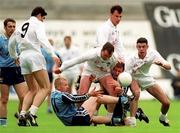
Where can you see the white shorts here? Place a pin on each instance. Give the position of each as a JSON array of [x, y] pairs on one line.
[[31, 61], [97, 74], [145, 82]]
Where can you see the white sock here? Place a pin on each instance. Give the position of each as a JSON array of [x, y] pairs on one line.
[[109, 115], [163, 116], [96, 113], [33, 109], [131, 121], [22, 112]]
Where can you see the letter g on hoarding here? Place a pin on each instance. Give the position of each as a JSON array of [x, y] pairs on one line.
[[166, 17]]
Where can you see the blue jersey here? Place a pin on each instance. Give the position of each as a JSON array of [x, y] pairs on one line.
[[64, 105], [49, 60], [5, 59]]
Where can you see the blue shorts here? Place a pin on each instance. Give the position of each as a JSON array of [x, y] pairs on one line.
[[81, 118], [11, 75], [50, 74]]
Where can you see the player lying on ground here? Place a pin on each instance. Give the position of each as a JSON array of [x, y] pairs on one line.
[[63, 104]]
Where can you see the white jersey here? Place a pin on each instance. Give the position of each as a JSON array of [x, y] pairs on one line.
[[30, 36], [107, 32], [94, 64], [139, 68]]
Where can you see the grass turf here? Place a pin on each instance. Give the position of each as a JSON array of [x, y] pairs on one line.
[[48, 123]]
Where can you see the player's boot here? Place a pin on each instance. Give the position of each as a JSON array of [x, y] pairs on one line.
[[141, 116], [22, 121], [16, 115], [164, 120], [32, 119]]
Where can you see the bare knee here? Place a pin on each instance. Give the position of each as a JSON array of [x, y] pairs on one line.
[[33, 91], [4, 100], [136, 95]]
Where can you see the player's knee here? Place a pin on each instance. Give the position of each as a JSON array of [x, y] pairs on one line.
[[33, 91], [136, 95], [4, 100], [47, 87], [82, 91]]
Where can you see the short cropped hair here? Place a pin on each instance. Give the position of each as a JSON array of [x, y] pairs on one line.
[[38, 10], [8, 20], [116, 8], [120, 65], [67, 37], [58, 81], [142, 40], [109, 47]]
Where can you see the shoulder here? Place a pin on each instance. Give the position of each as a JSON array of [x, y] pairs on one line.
[[95, 51], [74, 47], [2, 36], [153, 52], [105, 26]]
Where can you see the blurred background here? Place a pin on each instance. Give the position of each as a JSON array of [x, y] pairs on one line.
[[157, 20]]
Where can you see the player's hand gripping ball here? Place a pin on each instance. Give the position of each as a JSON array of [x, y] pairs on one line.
[[124, 79]]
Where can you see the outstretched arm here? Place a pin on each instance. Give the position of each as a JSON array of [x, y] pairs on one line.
[[69, 98], [160, 61], [78, 60]]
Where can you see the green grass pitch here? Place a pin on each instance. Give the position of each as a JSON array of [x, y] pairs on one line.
[[48, 123]]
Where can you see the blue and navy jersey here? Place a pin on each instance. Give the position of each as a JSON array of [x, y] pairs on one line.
[[5, 59], [64, 105]]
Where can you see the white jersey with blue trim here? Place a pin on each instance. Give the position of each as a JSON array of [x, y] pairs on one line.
[[107, 32], [139, 68], [30, 36], [94, 64]]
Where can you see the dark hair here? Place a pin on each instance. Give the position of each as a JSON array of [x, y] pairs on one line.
[[67, 37], [142, 40], [120, 65], [116, 8], [109, 47], [38, 10], [8, 20]]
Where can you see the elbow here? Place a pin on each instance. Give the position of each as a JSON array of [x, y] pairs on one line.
[[168, 67]]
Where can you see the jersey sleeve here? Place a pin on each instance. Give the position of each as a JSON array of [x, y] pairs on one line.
[[78, 60], [129, 62], [12, 46], [69, 98], [158, 57]]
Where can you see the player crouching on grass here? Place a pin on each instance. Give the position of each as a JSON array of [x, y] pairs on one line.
[[63, 104], [118, 69]]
